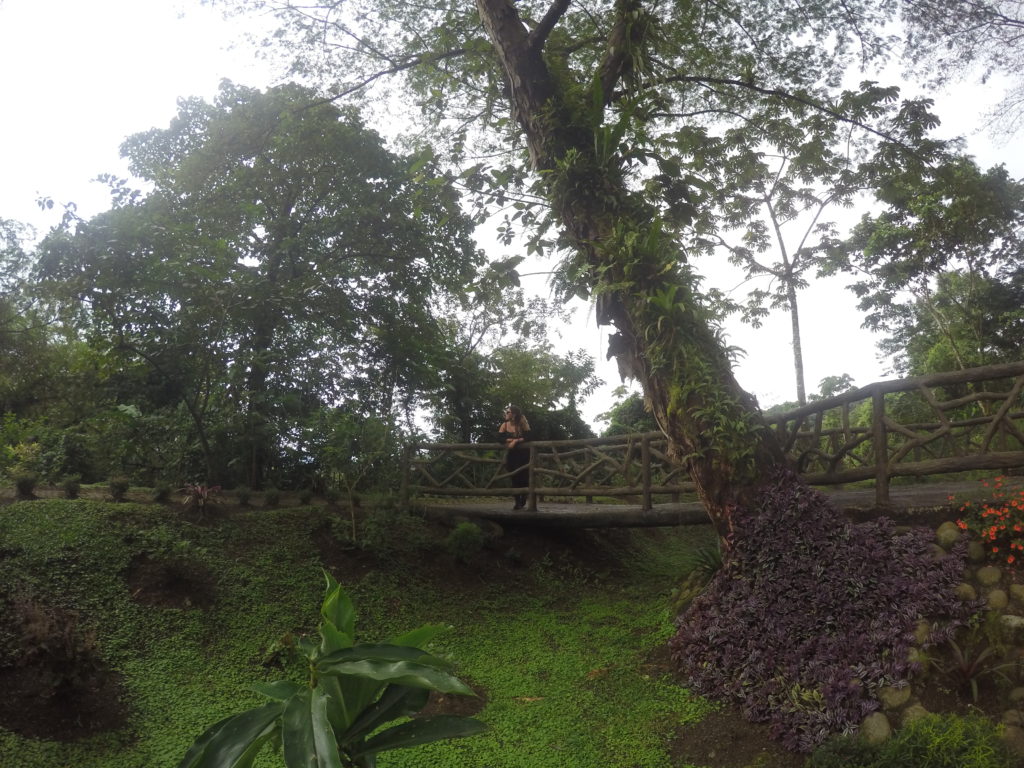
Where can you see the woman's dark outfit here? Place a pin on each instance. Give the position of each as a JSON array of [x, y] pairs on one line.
[[516, 458]]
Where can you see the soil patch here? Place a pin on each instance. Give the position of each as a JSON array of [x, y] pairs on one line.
[[170, 583], [68, 713], [726, 739]]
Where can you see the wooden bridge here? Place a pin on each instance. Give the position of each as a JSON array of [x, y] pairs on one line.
[[941, 424]]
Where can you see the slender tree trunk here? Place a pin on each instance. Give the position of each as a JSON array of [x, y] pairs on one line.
[[663, 337], [798, 350]]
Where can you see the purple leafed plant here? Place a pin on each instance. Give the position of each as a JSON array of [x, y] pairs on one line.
[[811, 614]]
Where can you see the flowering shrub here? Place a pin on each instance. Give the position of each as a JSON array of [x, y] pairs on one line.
[[998, 520], [811, 614]]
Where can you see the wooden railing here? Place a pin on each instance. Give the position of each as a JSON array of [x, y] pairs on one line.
[[937, 424], [942, 423]]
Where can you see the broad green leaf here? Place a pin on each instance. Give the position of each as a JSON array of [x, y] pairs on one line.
[[332, 639], [280, 690], [297, 732], [337, 608], [397, 701], [422, 731], [418, 638], [323, 735], [196, 750], [384, 652], [230, 746], [400, 673]]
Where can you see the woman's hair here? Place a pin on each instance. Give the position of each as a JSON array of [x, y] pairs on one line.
[[517, 417]]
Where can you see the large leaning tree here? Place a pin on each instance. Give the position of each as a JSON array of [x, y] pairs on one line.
[[588, 118]]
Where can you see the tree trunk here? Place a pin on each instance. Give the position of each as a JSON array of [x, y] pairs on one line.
[[664, 337]]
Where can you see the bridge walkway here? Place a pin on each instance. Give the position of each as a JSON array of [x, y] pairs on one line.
[[906, 503]]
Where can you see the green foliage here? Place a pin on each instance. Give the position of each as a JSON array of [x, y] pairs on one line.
[[342, 716], [25, 483], [306, 496], [71, 486], [628, 415], [244, 494], [200, 501], [162, 493], [465, 542], [118, 486], [932, 741], [271, 497]]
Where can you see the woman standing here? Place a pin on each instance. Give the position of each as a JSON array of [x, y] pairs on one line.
[[514, 432]]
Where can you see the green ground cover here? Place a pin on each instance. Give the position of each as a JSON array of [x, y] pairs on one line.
[[561, 648]]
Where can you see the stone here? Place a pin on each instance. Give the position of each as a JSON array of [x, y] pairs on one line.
[[966, 592], [1013, 717], [988, 576], [1017, 695], [937, 552], [976, 551], [893, 698], [912, 713], [1013, 626], [1017, 592], [876, 728], [997, 600], [1013, 737], [947, 535]]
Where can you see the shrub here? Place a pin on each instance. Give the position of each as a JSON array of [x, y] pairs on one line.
[[244, 494], [271, 496], [25, 484], [162, 493], [306, 496], [71, 486], [59, 649], [998, 521], [119, 486], [946, 741], [200, 500], [844, 752], [342, 715], [465, 542], [332, 495], [811, 614]]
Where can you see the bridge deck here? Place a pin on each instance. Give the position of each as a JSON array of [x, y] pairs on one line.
[[904, 500]]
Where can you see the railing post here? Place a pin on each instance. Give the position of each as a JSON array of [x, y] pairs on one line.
[[531, 501], [645, 471], [881, 445]]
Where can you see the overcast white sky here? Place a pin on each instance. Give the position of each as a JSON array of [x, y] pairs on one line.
[[78, 76]]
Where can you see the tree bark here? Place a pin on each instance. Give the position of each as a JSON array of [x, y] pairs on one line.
[[663, 337]]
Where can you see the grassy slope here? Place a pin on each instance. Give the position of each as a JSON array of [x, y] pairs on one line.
[[560, 650]]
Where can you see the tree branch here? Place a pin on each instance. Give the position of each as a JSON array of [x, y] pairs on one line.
[[540, 33]]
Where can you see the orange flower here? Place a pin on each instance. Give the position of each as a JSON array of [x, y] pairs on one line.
[[1010, 559]]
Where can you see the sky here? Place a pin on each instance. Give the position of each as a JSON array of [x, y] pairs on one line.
[[77, 78]]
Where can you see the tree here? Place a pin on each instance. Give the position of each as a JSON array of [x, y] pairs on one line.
[[948, 37], [938, 268], [599, 97], [284, 259]]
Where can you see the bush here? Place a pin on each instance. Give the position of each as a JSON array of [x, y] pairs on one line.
[[271, 496], [811, 613], [119, 486], [332, 495], [71, 486], [306, 496], [243, 493], [844, 752], [946, 741], [162, 493], [998, 521], [25, 484], [465, 542]]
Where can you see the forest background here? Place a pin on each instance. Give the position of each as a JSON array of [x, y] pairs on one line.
[[118, 69]]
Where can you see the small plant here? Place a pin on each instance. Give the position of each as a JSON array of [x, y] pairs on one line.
[[60, 650], [998, 520], [200, 500], [71, 486], [332, 495], [341, 716], [119, 486], [162, 493], [271, 496], [465, 542], [971, 663], [25, 484], [306, 496], [244, 494]]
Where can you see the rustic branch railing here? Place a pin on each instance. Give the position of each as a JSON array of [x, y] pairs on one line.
[[942, 423]]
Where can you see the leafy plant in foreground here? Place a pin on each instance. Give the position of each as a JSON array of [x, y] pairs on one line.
[[353, 691], [998, 521]]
